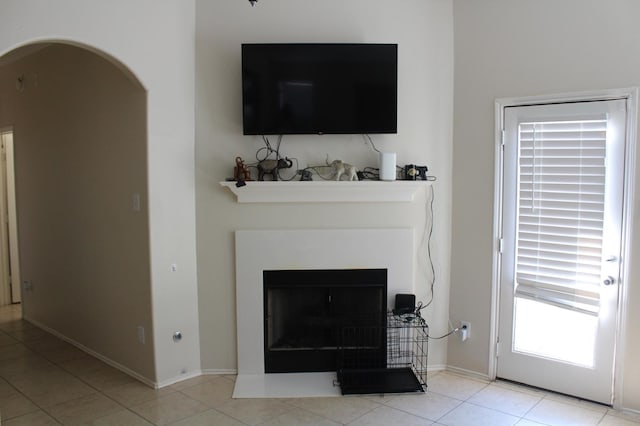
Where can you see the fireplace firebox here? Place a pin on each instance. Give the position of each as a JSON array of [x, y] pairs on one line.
[[305, 311]]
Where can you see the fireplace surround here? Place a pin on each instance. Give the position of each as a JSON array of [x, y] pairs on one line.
[[391, 249]]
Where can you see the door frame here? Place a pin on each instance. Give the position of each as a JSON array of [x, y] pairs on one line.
[[12, 217], [631, 96], [10, 232]]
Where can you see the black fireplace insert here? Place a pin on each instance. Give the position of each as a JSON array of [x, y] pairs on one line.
[[305, 310]]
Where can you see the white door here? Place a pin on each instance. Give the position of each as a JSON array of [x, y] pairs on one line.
[[563, 186]]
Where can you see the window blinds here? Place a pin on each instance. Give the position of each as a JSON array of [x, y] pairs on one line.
[[560, 212]]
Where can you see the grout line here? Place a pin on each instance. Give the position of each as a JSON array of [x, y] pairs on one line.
[[493, 409], [59, 367], [40, 408], [378, 405]]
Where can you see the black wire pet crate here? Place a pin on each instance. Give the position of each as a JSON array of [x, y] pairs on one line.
[[388, 358]]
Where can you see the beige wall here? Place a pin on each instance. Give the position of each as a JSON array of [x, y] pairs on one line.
[[509, 49], [80, 139], [423, 31]]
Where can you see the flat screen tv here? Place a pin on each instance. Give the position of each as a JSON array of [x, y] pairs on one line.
[[319, 88]]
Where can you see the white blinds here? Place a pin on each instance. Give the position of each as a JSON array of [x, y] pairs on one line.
[[560, 212]]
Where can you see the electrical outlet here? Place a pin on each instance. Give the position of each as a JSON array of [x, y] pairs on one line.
[[465, 330], [141, 338]]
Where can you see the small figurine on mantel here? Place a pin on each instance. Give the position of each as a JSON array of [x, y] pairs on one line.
[[341, 168], [272, 167], [241, 171]]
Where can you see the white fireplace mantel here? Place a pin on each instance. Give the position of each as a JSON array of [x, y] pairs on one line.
[[325, 191]]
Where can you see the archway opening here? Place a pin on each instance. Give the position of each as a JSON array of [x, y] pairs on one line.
[[79, 127]]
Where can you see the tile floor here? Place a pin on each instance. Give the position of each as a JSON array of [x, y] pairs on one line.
[[45, 381]]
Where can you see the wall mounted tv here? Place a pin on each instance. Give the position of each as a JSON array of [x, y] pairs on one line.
[[319, 88]]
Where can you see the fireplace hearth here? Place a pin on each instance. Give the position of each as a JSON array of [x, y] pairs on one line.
[[306, 310]]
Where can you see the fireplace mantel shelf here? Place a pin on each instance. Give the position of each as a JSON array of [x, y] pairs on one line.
[[325, 191]]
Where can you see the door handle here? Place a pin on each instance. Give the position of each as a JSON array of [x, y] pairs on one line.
[[609, 280]]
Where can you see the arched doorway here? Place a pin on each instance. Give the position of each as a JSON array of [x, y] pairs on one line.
[[79, 127]]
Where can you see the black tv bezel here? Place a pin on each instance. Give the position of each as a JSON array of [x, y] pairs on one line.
[[391, 130]]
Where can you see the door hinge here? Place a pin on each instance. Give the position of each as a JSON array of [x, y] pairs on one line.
[[500, 245], [497, 349], [502, 137]]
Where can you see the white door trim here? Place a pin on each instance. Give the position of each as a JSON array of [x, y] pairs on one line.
[[5, 277], [631, 96]]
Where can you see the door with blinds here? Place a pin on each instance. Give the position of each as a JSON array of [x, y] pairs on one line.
[[562, 201]]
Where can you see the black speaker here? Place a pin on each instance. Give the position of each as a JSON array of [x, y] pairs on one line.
[[405, 304]]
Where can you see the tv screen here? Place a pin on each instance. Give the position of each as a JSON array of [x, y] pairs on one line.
[[319, 88]]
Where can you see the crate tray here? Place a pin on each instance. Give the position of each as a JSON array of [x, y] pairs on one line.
[[378, 380]]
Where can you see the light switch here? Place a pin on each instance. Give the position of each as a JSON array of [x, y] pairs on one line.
[[135, 202]]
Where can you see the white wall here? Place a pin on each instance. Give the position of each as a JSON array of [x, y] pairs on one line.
[[509, 49], [423, 31], [154, 40]]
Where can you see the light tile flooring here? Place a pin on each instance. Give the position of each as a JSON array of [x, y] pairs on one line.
[[45, 381]]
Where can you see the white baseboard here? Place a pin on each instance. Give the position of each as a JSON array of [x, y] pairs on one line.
[[93, 353], [629, 413], [469, 373], [437, 367], [219, 372], [205, 372], [178, 379]]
